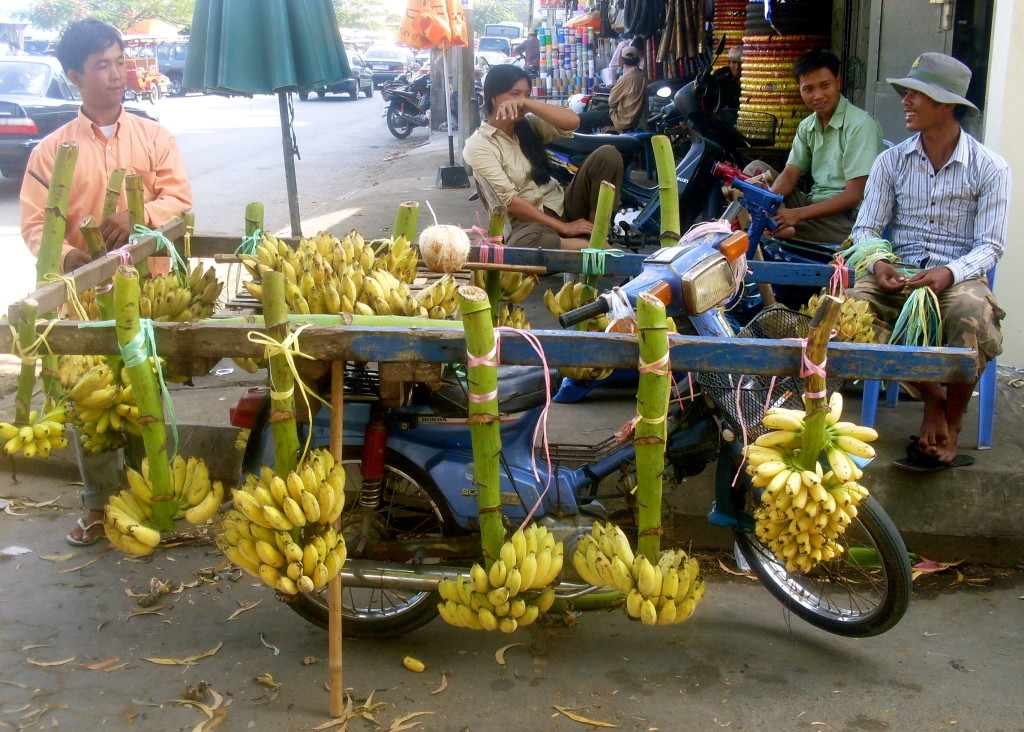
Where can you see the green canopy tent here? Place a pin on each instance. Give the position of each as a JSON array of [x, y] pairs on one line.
[[266, 47]]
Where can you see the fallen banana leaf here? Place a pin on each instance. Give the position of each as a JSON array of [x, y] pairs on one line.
[[80, 566], [268, 681], [443, 686], [58, 557], [271, 646], [151, 611], [51, 663], [207, 724], [198, 705], [499, 655], [245, 606], [583, 720], [184, 661], [399, 725], [99, 666]]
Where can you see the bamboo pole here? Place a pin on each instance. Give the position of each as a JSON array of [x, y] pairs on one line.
[[113, 193], [652, 407], [812, 439], [668, 190], [90, 230], [406, 219], [134, 190], [484, 424], [282, 381], [253, 217], [147, 396], [492, 278], [334, 617], [602, 223], [27, 377], [189, 217]]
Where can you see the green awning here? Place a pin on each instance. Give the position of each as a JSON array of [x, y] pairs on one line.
[[263, 47]]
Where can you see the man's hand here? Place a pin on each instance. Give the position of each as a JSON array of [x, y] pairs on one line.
[[788, 217], [888, 279], [75, 259], [937, 278], [579, 227], [115, 229]]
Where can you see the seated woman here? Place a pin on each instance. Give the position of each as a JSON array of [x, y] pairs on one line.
[[508, 152]]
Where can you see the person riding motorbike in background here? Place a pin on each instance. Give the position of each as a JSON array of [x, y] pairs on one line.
[[530, 50], [626, 102], [507, 151]]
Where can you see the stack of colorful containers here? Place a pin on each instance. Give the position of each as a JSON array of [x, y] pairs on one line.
[[729, 20], [567, 62], [768, 86]]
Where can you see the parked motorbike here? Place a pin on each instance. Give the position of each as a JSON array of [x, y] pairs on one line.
[[411, 513], [407, 103]]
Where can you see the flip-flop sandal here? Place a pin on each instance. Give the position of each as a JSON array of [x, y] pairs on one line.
[[86, 528], [920, 462]]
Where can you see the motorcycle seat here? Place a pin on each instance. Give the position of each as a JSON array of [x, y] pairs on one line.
[[578, 143], [519, 388]]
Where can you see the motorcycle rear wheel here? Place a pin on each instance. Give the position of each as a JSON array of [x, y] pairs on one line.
[[842, 596], [410, 505], [398, 128]]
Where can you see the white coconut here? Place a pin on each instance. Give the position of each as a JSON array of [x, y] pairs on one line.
[[444, 248]]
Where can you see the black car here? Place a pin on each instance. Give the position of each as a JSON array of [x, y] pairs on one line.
[[387, 63], [35, 99], [360, 81]]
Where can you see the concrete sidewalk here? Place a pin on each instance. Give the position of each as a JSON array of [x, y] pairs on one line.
[[975, 512]]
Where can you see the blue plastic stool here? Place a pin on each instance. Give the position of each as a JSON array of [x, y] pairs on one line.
[[986, 396]]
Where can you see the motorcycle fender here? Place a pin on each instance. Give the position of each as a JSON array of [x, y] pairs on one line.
[[453, 473]]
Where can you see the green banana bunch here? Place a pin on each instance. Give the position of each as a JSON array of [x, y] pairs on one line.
[[127, 523], [513, 593], [802, 512], [281, 529], [856, 321], [513, 316], [656, 594], [41, 435]]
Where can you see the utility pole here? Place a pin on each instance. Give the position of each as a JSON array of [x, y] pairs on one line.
[[469, 116]]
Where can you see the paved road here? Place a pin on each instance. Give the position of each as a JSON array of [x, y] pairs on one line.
[[233, 150]]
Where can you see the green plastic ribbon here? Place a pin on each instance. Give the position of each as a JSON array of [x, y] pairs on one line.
[[162, 242], [593, 260], [137, 351], [920, 322], [249, 243]]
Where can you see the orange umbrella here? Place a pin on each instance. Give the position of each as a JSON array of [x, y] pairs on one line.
[[430, 23]]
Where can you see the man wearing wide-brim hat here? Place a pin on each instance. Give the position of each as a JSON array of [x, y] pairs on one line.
[[944, 197]]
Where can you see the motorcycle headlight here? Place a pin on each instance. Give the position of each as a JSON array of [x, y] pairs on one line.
[[707, 284]]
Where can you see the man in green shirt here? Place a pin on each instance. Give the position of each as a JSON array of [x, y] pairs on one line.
[[837, 145]]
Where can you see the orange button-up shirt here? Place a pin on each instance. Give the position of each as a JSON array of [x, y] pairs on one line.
[[138, 145]]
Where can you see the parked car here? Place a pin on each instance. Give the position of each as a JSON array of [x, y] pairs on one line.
[[360, 81], [494, 49], [388, 62], [35, 99]]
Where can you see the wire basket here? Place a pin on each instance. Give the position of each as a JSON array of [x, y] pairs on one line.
[[744, 398]]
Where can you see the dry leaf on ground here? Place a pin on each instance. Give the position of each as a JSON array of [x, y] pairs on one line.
[[184, 661], [499, 655], [583, 720]]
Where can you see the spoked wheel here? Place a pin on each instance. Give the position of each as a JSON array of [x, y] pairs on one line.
[[858, 594], [399, 128], [410, 507]]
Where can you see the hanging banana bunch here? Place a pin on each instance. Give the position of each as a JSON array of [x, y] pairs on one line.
[[574, 295], [856, 321]]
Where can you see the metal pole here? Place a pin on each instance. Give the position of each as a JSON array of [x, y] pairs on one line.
[[288, 144], [448, 107]]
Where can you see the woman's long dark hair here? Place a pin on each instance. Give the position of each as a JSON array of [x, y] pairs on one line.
[[499, 80]]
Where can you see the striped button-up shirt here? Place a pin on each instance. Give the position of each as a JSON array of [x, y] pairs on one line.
[[954, 217]]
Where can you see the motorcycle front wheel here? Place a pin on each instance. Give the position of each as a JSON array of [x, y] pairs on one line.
[[399, 128], [411, 506], [858, 594]]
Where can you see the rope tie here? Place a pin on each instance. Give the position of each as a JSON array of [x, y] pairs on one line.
[[593, 260], [30, 353], [488, 360], [485, 241], [809, 368], [249, 243], [126, 261], [71, 299], [289, 348], [840, 280], [162, 242], [658, 368]]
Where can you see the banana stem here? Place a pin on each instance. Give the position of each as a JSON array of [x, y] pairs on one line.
[[136, 210], [282, 381], [253, 217], [55, 222], [27, 377], [492, 278], [484, 424], [590, 601], [113, 193], [94, 239], [668, 190], [405, 220], [813, 439], [602, 222], [189, 217], [652, 407], [147, 396]]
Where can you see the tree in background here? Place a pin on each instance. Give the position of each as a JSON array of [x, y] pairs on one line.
[[55, 14], [495, 11], [365, 14]]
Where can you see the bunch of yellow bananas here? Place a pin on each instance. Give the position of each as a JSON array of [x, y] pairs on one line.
[[193, 493], [515, 286], [803, 512], [574, 295], [660, 594], [166, 298], [40, 436], [855, 319], [127, 523], [513, 592], [439, 298], [281, 531], [102, 406], [513, 316], [242, 439]]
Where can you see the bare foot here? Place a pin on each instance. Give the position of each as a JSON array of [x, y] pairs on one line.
[[784, 232], [934, 428], [946, 452]]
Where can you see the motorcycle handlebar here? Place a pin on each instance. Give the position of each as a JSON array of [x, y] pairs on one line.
[[591, 310]]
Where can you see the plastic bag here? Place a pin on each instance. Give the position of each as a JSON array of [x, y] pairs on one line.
[[622, 317]]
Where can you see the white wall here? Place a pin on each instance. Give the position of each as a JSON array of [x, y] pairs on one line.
[[1004, 132]]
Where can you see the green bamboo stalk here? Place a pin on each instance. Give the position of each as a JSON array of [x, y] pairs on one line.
[[332, 320], [484, 424], [602, 223], [668, 190], [652, 406], [189, 217], [406, 219], [282, 381], [813, 439], [113, 194], [136, 211], [492, 278], [147, 396], [94, 240], [253, 217], [90, 230], [27, 377]]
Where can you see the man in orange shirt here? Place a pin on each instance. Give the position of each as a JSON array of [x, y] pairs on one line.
[[108, 138]]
